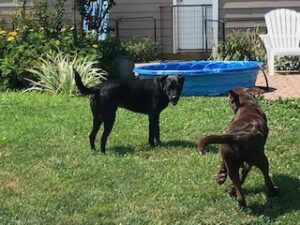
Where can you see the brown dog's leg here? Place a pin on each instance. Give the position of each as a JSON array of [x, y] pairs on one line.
[[235, 189], [263, 164], [245, 170], [222, 174]]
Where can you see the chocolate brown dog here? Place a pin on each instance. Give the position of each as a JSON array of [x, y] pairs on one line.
[[242, 145]]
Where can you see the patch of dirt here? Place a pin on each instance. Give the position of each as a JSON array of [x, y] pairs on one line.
[[285, 86]]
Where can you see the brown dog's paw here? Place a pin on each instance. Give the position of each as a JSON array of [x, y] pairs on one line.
[[231, 191], [200, 151], [221, 178]]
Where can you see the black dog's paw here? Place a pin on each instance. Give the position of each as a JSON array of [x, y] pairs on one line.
[[152, 145], [274, 191], [158, 143], [242, 203]]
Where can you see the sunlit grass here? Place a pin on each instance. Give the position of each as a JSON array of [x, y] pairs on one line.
[[48, 174]]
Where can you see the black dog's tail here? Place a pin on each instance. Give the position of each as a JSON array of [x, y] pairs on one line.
[[224, 139], [83, 89]]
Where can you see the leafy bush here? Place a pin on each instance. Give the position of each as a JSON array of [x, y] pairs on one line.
[[41, 14], [55, 73], [110, 49], [20, 50], [248, 46], [241, 46], [140, 51], [288, 63]]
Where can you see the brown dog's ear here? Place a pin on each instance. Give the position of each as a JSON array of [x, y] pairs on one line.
[[254, 91], [234, 99]]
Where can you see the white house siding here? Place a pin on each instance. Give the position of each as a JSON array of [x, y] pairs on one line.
[[7, 8], [250, 13]]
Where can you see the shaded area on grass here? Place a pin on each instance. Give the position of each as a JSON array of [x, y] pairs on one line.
[[122, 150], [287, 200], [179, 143]]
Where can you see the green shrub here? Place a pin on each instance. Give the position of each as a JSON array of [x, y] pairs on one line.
[[248, 46], [20, 50], [241, 46], [55, 73], [288, 63], [140, 51], [110, 49], [45, 14]]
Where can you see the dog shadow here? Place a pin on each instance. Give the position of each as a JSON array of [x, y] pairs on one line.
[[125, 150], [266, 89], [178, 143], [286, 201], [122, 150], [212, 149]]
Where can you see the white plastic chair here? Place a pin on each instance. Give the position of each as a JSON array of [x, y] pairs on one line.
[[283, 36]]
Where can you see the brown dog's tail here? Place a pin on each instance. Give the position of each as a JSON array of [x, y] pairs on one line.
[[83, 89], [221, 139]]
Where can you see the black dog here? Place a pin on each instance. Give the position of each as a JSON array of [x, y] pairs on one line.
[[149, 96], [243, 143]]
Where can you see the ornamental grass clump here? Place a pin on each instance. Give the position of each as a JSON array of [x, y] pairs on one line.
[[54, 72]]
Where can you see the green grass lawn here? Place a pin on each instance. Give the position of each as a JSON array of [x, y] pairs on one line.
[[49, 175]]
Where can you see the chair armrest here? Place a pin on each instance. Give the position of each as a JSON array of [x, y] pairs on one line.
[[266, 40]]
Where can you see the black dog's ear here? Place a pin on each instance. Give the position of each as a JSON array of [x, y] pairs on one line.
[[181, 79], [163, 79], [234, 100]]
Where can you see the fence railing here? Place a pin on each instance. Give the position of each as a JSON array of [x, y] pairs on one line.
[[127, 28]]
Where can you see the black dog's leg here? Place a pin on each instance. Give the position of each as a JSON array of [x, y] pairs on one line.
[[96, 126], [154, 129], [151, 132], [108, 120]]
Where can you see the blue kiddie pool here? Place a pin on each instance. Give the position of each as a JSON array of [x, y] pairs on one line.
[[207, 78]]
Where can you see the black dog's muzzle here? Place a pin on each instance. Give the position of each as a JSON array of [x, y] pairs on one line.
[[174, 99]]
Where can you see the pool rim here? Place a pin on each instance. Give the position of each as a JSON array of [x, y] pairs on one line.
[[146, 70]]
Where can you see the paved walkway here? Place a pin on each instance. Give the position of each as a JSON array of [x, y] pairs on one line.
[[285, 86]]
